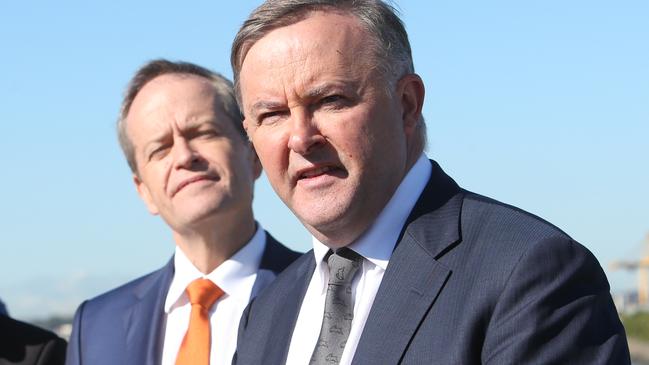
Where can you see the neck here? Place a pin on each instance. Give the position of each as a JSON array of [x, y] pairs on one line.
[[209, 247], [343, 233]]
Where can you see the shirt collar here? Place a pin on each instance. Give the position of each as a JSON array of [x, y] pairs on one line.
[[227, 276], [377, 243]]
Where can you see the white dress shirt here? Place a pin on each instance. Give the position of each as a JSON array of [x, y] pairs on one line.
[[236, 277], [376, 246]]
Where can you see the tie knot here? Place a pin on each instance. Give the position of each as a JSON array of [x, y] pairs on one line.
[[343, 264], [203, 292]]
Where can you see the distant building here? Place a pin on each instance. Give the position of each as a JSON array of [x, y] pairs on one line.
[[628, 302], [61, 325]]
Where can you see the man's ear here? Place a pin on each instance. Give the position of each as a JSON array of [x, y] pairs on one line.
[[145, 194], [256, 164], [246, 127], [411, 92]]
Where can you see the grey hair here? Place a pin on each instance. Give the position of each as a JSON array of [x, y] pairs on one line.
[[224, 90], [379, 18]]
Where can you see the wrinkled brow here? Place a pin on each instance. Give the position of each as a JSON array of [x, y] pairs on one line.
[[332, 88], [315, 92], [265, 105]]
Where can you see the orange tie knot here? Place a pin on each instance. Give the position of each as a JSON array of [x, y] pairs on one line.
[[203, 292], [195, 349]]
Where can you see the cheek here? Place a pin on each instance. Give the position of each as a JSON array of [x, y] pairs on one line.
[[162, 171], [154, 174], [272, 151], [354, 137]]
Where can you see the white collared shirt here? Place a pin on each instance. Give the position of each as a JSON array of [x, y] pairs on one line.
[[236, 277], [376, 246]]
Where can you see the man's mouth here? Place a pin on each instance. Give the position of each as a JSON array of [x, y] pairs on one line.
[[316, 175], [192, 180], [314, 172]]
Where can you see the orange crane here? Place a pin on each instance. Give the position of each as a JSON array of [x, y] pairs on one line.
[[642, 266]]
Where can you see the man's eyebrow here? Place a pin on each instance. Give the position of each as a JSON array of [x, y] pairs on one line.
[[320, 90], [199, 122], [324, 89], [313, 93], [265, 105], [156, 137]]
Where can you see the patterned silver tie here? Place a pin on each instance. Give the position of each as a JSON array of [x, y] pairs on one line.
[[339, 307]]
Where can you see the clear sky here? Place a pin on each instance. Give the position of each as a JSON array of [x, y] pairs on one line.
[[541, 104]]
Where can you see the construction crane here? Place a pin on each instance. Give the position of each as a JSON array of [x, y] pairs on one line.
[[642, 266]]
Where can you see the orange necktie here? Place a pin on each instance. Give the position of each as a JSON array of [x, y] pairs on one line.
[[195, 349]]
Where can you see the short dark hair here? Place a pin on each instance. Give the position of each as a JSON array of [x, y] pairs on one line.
[[151, 70]]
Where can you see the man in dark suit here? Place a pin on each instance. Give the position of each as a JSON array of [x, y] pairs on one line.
[[407, 267], [24, 344], [180, 129]]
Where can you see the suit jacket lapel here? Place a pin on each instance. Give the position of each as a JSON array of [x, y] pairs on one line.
[[285, 319], [413, 278], [276, 258], [145, 320], [409, 287]]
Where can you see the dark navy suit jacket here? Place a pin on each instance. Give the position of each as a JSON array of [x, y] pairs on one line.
[[471, 281], [124, 325]]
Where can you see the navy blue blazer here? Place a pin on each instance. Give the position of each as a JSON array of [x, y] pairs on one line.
[[123, 326], [471, 281]]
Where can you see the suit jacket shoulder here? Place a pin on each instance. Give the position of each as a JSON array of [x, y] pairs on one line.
[[124, 295], [120, 326], [25, 344], [476, 281], [275, 258], [471, 281], [123, 325]]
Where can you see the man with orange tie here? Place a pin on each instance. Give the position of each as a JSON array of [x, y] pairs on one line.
[[180, 130]]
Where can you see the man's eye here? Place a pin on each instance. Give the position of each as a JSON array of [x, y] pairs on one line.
[[158, 153], [333, 101], [270, 117], [209, 133]]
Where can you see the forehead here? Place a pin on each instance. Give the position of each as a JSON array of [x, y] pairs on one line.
[[173, 93], [323, 41], [178, 99]]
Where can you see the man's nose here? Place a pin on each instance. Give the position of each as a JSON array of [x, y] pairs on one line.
[[184, 155], [305, 135]]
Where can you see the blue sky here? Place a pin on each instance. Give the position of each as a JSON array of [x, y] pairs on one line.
[[541, 104]]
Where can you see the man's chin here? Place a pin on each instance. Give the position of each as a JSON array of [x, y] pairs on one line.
[[331, 229], [196, 216]]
